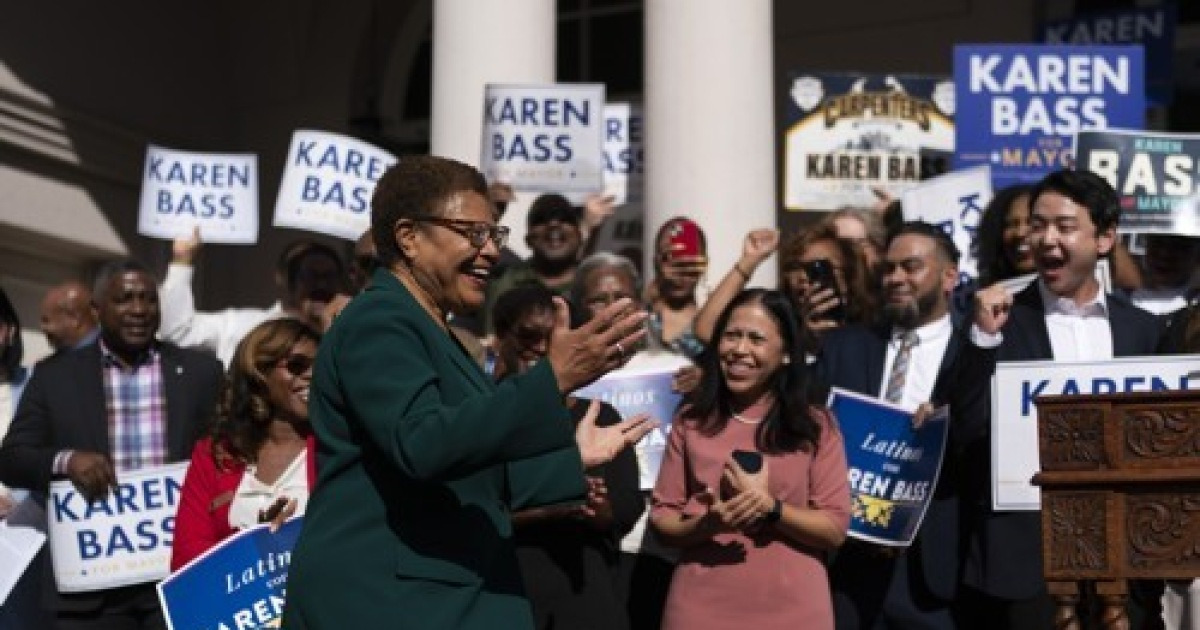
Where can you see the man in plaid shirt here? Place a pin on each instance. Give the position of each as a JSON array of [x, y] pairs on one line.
[[91, 414]]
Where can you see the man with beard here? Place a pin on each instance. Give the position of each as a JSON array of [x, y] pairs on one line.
[[309, 275], [875, 587], [1064, 316], [554, 235], [91, 415]]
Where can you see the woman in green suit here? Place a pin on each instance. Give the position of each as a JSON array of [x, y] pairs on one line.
[[421, 459]]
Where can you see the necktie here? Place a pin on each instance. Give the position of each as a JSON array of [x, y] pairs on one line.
[[895, 384]]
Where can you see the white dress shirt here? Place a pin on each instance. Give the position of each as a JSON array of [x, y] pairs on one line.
[[923, 363], [1078, 332]]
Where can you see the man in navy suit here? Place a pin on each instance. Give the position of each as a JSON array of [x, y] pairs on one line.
[[90, 414], [876, 587], [1064, 315]]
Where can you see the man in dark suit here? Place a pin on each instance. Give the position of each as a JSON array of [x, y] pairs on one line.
[[905, 359], [158, 397], [1064, 315]]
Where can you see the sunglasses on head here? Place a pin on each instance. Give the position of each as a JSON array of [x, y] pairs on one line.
[[296, 364]]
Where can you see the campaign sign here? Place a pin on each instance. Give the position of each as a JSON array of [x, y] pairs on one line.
[[624, 154], [328, 182], [893, 467], [1154, 174], [213, 191], [1152, 27], [122, 539], [955, 203], [1020, 105], [545, 137], [1014, 414], [239, 584], [643, 389], [18, 547], [849, 133]]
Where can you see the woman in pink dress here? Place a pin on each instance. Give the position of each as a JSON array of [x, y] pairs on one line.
[[752, 542]]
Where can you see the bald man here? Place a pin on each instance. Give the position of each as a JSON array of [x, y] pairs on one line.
[[68, 319]]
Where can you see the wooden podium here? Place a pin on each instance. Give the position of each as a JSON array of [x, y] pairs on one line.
[[1120, 486]]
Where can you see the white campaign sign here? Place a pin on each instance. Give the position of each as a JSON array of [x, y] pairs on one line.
[[955, 203], [328, 182], [544, 137], [18, 547], [1014, 415], [623, 152], [120, 540], [216, 192]]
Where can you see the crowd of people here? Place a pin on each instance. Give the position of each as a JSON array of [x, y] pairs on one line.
[[415, 400]]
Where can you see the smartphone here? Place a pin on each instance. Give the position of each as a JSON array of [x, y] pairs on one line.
[[820, 273], [684, 243], [750, 461]]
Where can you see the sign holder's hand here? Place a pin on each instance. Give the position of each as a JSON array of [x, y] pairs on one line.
[[92, 474]]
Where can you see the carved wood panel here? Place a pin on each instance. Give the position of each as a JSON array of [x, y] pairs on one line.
[[1072, 438], [1157, 434], [1076, 530], [1164, 531]]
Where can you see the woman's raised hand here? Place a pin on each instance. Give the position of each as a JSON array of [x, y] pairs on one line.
[[581, 355]]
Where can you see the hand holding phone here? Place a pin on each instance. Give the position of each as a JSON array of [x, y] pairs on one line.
[[820, 274], [749, 461]]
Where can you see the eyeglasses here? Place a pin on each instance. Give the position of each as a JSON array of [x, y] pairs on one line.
[[296, 364], [476, 232]]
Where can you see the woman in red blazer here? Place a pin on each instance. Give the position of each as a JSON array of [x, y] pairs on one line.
[[258, 464]]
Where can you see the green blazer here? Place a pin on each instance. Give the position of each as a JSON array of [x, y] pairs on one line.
[[420, 460]]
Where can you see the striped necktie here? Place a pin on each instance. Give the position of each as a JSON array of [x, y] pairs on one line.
[[895, 384]]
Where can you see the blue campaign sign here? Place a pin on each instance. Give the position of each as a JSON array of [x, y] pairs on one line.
[[1152, 27], [1019, 105], [893, 467], [238, 585], [648, 390]]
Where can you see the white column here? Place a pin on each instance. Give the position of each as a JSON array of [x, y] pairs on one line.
[[710, 131], [478, 42]]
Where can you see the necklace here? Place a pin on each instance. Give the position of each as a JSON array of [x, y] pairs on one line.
[[744, 420]]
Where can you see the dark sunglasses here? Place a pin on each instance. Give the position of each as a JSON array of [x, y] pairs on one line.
[[296, 364], [476, 232]]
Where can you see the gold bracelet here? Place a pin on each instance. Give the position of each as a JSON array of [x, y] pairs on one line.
[[738, 268]]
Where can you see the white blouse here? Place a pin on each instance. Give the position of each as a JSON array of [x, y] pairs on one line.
[[253, 495]]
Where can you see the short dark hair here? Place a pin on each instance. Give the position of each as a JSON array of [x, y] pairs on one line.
[[942, 241], [416, 186], [518, 302], [1086, 189], [113, 269], [550, 207]]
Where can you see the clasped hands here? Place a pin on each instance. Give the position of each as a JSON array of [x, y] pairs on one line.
[[745, 509]]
